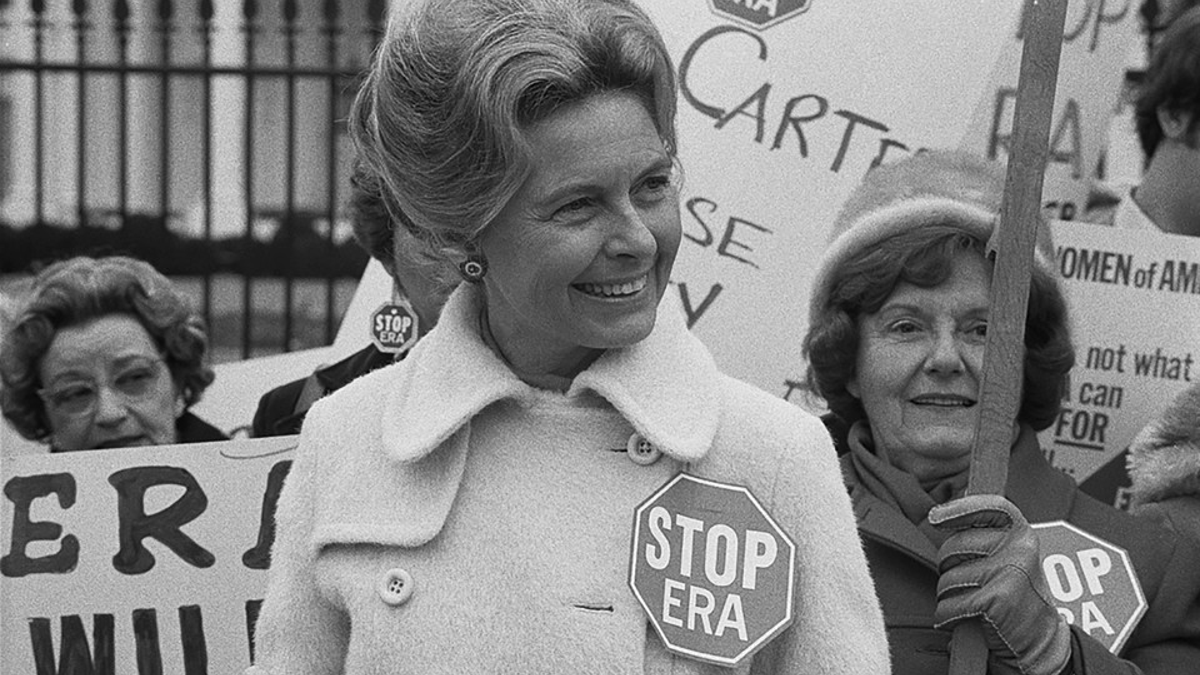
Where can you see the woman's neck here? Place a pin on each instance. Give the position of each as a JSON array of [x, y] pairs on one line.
[[544, 369]]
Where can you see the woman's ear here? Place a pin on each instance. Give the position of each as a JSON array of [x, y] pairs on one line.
[[1174, 123], [853, 389], [180, 405]]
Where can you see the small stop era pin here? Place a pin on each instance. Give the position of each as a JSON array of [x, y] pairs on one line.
[[394, 326]]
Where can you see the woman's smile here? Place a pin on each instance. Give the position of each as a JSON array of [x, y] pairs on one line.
[[613, 290]]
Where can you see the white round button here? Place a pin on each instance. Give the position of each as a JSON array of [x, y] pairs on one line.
[[396, 586], [641, 451]]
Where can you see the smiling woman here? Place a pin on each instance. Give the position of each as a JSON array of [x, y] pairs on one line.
[[470, 509], [898, 320]]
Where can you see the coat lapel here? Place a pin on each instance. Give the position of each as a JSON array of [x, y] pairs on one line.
[[401, 493]]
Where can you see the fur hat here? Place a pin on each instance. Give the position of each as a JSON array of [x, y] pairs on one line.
[[931, 187], [1164, 458]]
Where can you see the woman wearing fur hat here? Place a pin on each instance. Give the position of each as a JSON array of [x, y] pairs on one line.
[[470, 509], [898, 320], [1164, 465]]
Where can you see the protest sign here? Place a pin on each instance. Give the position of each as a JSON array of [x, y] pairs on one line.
[[137, 560], [1097, 38], [778, 121], [1093, 584], [713, 572], [1134, 302]]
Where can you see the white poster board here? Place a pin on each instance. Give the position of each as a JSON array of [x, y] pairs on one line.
[[1097, 37], [777, 125], [159, 554], [1134, 301]]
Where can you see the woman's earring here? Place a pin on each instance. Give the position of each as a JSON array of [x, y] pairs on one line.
[[473, 269]]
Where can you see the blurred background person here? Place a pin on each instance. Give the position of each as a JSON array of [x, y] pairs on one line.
[[416, 276], [468, 510], [1164, 464], [1167, 119], [105, 353], [898, 321]]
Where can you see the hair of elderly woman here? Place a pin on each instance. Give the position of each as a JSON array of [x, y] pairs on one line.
[[441, 115], [78, 290], [1172, 82], [922, 257]]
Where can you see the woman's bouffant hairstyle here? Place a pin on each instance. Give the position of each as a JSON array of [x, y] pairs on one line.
[[78, 290], [454, 84], [923, 257], [1172, 82], [393, 247]]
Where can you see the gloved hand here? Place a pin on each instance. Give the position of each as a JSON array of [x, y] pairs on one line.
[[990, 568]]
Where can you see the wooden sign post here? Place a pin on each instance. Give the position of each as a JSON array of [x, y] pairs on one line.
[[1013, 244]]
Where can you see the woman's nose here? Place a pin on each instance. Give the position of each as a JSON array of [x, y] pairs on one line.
[[630, 235], [945, 355], [111, 406]]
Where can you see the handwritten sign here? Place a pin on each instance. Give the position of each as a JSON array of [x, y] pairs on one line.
[[1092, 582], [1097, 37], [778, 121], [1134, 299], [137, 560], [712, 570]]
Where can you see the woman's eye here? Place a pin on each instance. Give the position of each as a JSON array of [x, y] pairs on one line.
[[574, 206], [904, 327], [72, 395], [135, 381], [978, 330], [657, 183]]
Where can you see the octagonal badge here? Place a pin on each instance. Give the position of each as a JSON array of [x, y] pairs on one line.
[[713, 571], [1092, 581], [759, 14]]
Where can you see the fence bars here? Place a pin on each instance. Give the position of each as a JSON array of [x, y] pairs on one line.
[[147, 50]]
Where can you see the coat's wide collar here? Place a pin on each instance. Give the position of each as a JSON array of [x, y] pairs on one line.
[[666, 386]]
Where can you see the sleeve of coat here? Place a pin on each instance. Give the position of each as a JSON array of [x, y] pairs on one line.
[[299, 630], [838, 626]]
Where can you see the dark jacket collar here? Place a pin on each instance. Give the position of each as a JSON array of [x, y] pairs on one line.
[[1042, 492]]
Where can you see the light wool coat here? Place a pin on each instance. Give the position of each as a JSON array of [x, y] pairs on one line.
[[510, 509]]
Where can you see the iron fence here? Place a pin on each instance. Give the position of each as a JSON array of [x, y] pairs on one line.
[[206, 137]]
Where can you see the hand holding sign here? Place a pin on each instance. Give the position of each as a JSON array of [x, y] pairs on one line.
[[989, 568]]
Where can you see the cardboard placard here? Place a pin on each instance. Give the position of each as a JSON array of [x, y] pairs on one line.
[[151, 556]]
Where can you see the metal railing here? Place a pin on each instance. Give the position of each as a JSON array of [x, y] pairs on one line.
[[205, 136]]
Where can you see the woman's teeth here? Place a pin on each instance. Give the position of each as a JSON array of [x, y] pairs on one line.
[[613, 290]]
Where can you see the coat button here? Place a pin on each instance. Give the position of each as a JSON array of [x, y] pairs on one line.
[[396, 586], [641, 451]]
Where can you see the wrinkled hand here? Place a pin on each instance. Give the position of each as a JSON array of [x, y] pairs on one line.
[[990, 568]]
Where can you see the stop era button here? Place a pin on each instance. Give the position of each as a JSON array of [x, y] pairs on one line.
[[1092, 582], [394, 327], [711, 569]]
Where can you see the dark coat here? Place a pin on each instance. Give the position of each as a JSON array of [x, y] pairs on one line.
[[192, 429], [903, 564], [281, 410]]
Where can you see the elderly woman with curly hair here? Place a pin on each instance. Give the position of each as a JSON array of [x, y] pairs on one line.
[[898, 320], [104, 353]]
